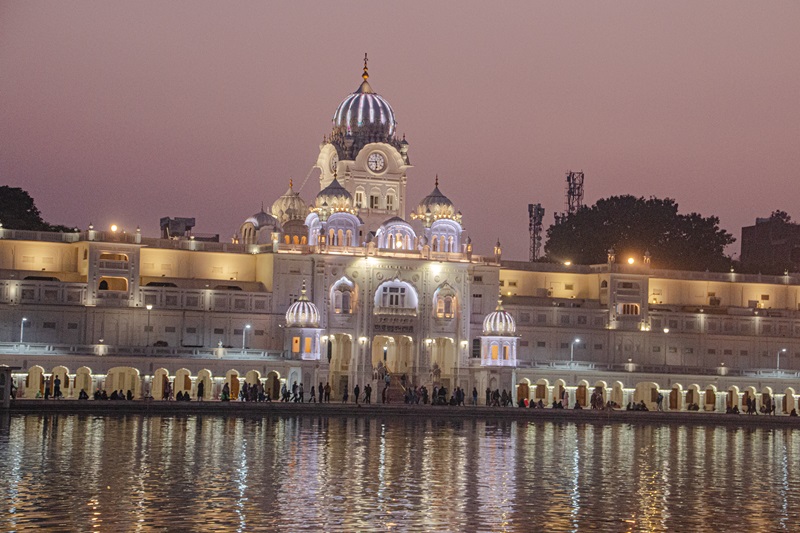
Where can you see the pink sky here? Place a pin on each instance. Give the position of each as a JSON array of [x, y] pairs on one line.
[[129, 111]]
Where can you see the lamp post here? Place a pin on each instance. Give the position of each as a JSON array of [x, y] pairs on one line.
[[149, 308], [244, 335], [363, 341], [22, 329], [778, 365], [666, 330], [572, 350]]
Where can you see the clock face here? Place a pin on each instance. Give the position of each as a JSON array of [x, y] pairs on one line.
[[334, 161], [376, 162]]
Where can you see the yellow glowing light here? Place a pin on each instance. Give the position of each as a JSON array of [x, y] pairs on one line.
[[567, 263], [114, 227], [630, 260]]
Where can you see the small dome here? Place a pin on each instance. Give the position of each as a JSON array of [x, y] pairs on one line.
[[435, 206], [289, 206], [302, 313], [334, 196], [262, 220], [499, 322], [364, 111]]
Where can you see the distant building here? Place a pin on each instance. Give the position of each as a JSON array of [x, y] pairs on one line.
[[771, 246]]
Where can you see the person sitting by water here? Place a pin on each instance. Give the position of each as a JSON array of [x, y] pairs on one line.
[[113, 395], [540, 404], [82, 395], [736, 409], [577, 405], [129, 395], [793, 413], [643, 406]]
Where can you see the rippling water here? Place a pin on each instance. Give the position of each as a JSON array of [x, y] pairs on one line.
[[294, 473]]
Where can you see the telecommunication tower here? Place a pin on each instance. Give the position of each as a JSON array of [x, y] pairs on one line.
[[535, 217], [574, 195]]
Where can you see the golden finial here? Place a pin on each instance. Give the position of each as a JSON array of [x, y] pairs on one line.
[[365, 75], [290, 183]]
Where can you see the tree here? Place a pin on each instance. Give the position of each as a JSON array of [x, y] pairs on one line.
[[633, 226], [18, 211]]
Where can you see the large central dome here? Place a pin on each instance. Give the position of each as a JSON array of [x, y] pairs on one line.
[[364, 112]]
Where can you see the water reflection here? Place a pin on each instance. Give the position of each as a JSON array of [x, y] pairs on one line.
[[369, 474]]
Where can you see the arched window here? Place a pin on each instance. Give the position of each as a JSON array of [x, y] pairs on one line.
[[343, 296], [445, 301], [359, 197], [286, 239], [393, 295], [332, 238]]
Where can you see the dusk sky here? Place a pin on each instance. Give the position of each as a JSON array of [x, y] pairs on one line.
[[126, 112]]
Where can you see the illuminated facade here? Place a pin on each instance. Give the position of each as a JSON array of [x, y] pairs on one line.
[[345, 289]]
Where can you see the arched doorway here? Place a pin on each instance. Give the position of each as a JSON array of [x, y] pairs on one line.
[[204, 377], [750, 393], [160, 384], [560, 393], [183, 382], [123, 378], [582, 394], [646, 392], [442, 361], [63, 377], [600, 394], [232, 379], [542, 392], [83, 381], [710, 403], [273, 385], [733, 398], [395, 353], [676, 398], [34, 382], [618, 394], [789, 402], [523, 390], [341, 349]]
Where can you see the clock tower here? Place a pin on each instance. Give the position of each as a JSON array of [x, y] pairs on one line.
[[365, 156]]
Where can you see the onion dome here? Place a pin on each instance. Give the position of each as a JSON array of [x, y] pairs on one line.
[[302, 313], [289, 206], [499, 322], [364, 111], [436, 206], [263, 220], [334, 198]]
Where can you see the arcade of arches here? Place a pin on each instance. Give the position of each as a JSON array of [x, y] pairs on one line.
[[677, 397]]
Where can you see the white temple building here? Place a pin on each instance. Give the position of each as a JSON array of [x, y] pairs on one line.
[[356, 282]]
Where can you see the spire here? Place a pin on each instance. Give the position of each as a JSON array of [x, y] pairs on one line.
[[262, 206], [303, 296], [290, 183], [365, 75], [436, 183], [499, 300]]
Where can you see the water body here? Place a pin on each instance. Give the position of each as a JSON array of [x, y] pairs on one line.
[[329, 473]]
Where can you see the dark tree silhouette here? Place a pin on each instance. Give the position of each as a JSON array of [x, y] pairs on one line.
[[633, 226], [18, 211]]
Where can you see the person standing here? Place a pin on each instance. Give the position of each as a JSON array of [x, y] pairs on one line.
[[200, 390], [488, 396], [474, 395], [56, 388], [327, 392], [302, 394], [312, 396], [356, 392]]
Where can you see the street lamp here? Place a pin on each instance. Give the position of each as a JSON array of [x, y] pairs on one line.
[[244, 333], [572, 350], [22, 329], [778, 365], [149, 308], [666, 330]]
